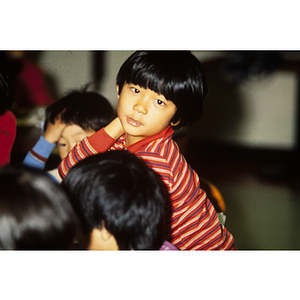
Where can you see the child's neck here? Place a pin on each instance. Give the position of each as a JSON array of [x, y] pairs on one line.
[[130, 140]]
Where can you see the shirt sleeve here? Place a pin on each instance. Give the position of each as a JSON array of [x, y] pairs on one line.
[[39, 154], [8, 126], [96, 143], [54, 175]]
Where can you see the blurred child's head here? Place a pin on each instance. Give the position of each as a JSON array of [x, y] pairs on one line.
[[177, 75], [119, 201], [83, 112], [35, 213]]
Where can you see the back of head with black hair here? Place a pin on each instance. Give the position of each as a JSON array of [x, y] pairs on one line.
[[35, 212], [119, 189], [89, 110], [177, 75]]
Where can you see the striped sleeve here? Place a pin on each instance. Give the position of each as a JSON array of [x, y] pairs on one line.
[[96, 143]]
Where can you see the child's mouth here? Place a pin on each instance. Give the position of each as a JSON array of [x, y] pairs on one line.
[[133, 122]]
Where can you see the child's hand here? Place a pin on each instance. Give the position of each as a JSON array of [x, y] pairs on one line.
[[114, 128], [53, 131]]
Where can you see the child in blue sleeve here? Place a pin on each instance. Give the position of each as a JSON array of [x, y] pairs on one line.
[[75, 116]]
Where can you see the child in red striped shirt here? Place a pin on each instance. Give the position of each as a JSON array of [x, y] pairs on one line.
[[158, 91]]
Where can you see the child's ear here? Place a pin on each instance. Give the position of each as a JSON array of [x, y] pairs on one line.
[[102, 239], [175, 124], [95, 240], [117, 87], [105, 234]]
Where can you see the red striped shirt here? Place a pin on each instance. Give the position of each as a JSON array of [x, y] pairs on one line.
[[191, 220]]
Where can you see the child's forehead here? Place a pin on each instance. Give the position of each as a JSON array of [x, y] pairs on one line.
[[72, 130]]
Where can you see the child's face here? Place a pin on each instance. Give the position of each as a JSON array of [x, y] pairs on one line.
[[71, 135], [142, 112]]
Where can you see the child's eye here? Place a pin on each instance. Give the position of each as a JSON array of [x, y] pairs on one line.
[[135, 90], [160, 102], [61, 145]]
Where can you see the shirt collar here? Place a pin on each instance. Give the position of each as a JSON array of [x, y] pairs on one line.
[[139, 145]]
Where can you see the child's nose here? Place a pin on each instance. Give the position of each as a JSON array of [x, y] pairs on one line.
[[141, 107]]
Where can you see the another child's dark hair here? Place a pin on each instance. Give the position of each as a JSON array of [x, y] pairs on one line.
[[89, 110], [177, 75], [35, 212], [120, 189]]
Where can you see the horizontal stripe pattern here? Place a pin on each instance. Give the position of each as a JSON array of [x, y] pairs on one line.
[[37, 157]]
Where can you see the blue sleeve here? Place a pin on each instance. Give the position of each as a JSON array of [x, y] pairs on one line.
[[38, 155], [53, 178]]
